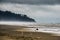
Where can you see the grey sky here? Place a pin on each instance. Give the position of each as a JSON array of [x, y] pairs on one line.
[[33, 1], [41, 13]]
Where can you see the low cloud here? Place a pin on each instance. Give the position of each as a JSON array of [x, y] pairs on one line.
[[40, 13]]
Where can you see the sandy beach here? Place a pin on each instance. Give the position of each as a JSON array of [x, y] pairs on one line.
[[8, 34]]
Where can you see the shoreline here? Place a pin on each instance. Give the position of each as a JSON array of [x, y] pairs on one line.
[[8, 34]]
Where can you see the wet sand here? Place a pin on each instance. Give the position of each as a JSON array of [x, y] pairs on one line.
[[7, 33]]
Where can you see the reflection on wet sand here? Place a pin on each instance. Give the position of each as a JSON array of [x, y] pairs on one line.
[[8, 33]]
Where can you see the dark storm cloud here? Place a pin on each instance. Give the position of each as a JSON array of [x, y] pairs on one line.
[[0, 0], [33, 1]]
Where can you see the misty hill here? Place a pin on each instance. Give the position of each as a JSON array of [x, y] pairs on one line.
[[9, 16]]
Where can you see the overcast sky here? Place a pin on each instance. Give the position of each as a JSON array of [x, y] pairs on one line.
[[33, 1], [42, 13]]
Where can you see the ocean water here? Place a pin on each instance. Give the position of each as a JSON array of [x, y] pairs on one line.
[[32, 27]]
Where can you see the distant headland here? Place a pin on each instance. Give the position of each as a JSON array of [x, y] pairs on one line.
[[10, 16]]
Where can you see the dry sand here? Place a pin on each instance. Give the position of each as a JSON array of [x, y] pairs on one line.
[[6, 33]]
